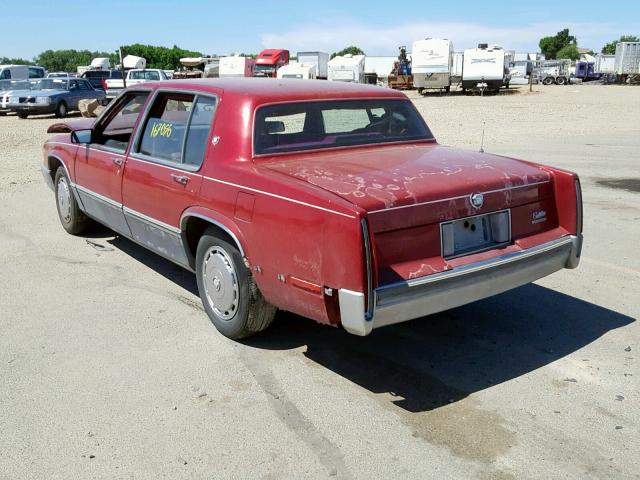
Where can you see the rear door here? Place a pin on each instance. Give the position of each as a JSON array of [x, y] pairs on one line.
[[162, 179], [99, 164]]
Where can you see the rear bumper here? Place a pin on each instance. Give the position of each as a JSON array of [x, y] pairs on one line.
[[435, 293]]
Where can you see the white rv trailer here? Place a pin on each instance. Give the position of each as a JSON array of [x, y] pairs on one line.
[[347, 68], [319, 59], [484, 68], [431, 64], [303, 71], [131, 62]]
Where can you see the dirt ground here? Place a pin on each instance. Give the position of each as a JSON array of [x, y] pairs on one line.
[[109, 368]]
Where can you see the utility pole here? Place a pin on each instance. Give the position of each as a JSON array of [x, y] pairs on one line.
[[124, 79]]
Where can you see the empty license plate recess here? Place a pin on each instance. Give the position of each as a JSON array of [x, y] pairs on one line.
[[474, 234]]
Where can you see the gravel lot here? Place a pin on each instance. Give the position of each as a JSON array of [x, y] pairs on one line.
[[109, 368]]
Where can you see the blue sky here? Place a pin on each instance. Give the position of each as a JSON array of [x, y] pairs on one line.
[[378, 27]]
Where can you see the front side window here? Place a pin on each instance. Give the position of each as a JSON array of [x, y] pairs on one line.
[[6, 74], [177, 128], [299, 126], [115, 130]]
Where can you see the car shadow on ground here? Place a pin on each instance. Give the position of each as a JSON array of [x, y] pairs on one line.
[[435, 360]]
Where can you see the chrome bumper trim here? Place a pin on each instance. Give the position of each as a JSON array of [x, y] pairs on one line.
[[435, 293]]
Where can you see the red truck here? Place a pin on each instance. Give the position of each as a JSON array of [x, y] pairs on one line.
[[269, 61], [336, 203]]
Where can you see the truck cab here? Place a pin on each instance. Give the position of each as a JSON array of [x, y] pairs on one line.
[[269, 61]]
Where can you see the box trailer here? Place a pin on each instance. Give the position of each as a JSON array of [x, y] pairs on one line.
[[484, 68], [627, 60], [347, 68], [302, 71], [605, 63], [319, 59], [431, 64], [235, 66]]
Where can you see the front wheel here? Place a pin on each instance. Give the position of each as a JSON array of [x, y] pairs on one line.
[[73, 220], [561, 80], [228, 292], [23, 115], [547, 81]]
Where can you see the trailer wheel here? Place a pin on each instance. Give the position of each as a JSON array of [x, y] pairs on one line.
[[561, 80], [547, 81], [420, 90]]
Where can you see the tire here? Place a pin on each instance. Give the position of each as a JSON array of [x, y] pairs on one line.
[[561, 80], [61, 110], [228, 292], [73, 220], [447, 89], [547, 81], [22, 115]]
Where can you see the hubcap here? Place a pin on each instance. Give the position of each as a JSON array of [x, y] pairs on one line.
[[64, 200], [220, 283]]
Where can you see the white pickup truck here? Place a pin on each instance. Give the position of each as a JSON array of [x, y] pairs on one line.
[[113, 86]]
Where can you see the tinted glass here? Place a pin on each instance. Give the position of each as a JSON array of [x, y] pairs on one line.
[[164, 133], [316, 125], [198, 132]]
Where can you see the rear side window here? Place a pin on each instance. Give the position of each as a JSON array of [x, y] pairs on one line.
[[177, 128], [145, 75]]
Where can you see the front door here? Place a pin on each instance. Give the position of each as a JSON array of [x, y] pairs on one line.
[[99, 165], [161, 178]]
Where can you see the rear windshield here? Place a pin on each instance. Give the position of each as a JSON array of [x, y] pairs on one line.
[[295, 127]]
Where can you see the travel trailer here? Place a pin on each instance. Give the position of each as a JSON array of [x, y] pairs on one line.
[[484, 68], [236, 66], [319, 59], [431, 64], [302, 71], [347, 68]]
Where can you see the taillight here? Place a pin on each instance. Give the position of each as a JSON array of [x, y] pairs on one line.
[[104, 84], [578, 207]]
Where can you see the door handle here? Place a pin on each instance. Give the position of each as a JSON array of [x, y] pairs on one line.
[[117, 161], [182, 179]]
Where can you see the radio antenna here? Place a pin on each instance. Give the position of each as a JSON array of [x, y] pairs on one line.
[[482, 141]]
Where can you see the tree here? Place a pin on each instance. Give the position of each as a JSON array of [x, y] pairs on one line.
[[550, 46], [610, 48], [568, 51], [70, 60], [159, 57], [348, 51], [14, 61]]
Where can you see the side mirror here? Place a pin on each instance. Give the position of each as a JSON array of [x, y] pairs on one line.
[[82, 136]]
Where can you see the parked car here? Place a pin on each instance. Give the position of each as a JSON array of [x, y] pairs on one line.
[[52, 95], [335, 203], [7, 88], [114, 86], [98, 78]]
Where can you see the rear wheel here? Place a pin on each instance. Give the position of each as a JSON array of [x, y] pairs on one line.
[[73, 220], [228, 292], [23, 115], [561, 80], [547, 81], [61, 110]]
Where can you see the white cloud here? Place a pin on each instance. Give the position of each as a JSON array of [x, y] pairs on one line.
[[333, 36]]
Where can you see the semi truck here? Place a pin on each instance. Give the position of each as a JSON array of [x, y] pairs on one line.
[[431, 63], [347, 68], [319, 59], [269, 61], [484, 68]]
